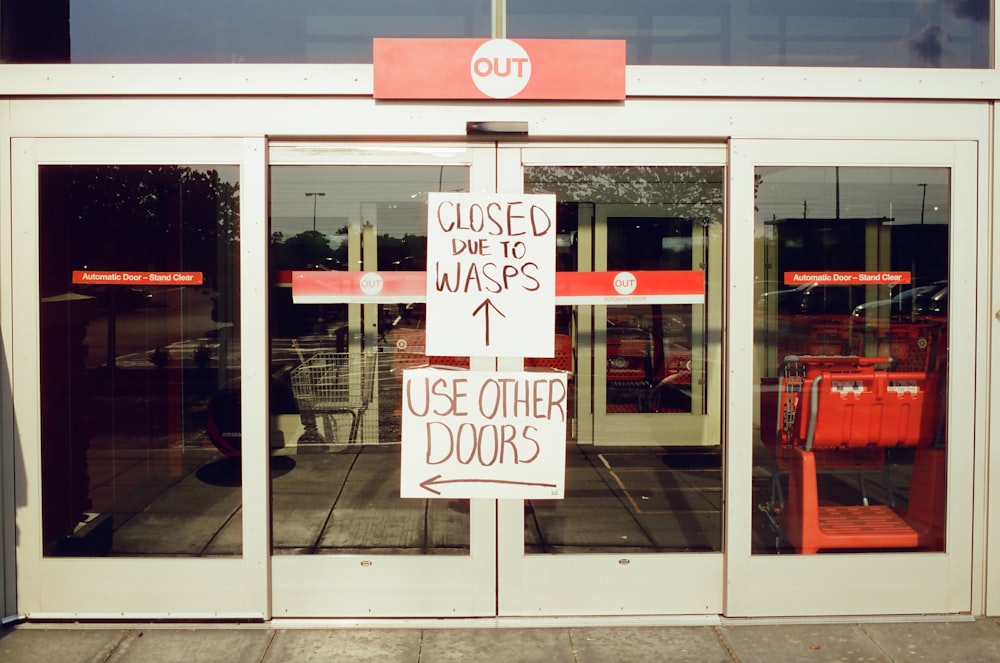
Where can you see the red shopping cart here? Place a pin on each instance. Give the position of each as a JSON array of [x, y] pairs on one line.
[[842, 412]]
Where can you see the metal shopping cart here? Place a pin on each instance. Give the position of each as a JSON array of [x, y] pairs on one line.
[[332, 383]]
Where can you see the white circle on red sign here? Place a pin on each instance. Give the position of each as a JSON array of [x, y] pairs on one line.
[[500, 68], [371, 283], [624, 283]]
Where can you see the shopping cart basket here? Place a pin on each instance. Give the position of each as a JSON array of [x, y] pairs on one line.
[[330, 383], [843, 404]]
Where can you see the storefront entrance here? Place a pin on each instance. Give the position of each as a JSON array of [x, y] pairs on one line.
[[175, 462]]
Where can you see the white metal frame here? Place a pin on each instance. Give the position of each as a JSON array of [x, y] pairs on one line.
[[873, 582], [991, 297], [8, 529], [58, 587], [353, 80]]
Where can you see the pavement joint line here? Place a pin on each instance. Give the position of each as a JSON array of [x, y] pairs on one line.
[[267, 646], [720, 634], [875, 642]]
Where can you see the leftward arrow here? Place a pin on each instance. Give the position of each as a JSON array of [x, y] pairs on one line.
[[436, 480], [485, 307]]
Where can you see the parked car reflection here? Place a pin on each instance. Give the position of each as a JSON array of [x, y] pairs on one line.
[[786, 301], [927, 300], [812, 299]]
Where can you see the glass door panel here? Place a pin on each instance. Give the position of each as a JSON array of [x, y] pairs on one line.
[[640, 528], [137, 303], [140, 350], [855, 472], [343, 541]]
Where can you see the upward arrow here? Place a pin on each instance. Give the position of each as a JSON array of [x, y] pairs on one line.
[[485, 307]]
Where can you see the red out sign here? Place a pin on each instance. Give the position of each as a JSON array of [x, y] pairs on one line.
[[553, 69]]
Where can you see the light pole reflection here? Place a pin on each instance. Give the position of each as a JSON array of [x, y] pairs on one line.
[[314, 195]]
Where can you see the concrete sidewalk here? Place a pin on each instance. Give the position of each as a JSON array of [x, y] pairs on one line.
[[876, 641]]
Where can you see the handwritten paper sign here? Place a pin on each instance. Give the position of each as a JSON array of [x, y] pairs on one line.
[[496, 435], [491, 274]]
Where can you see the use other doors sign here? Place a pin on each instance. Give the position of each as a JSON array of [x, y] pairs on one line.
[[473, 434]]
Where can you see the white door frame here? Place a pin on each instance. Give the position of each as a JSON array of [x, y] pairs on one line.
[[110, 587], [992, 537], [864, 583]]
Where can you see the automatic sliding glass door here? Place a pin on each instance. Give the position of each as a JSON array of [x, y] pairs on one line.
[[134, 322], [640, 528], [344, 543]]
